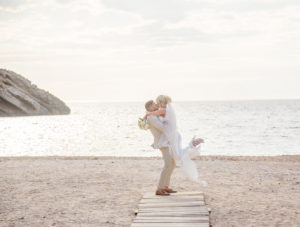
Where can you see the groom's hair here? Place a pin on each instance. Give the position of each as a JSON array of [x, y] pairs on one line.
[[149, 104]]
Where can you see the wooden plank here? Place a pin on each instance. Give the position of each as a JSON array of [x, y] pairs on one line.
[[189, 193], [170, 200], [164, 212], [170, 225], [171, 204], [170, 214], [199, 202], [174, 212], [191, 208], [173, 196], [171, 219], [179, 193], [184, 209], [189, 211], [166, 209]]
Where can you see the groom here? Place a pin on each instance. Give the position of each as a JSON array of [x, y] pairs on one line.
[[157, 129]]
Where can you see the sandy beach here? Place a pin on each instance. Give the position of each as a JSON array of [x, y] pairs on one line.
[[104, 191]]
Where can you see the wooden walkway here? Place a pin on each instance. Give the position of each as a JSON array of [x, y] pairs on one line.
[[181, 209]]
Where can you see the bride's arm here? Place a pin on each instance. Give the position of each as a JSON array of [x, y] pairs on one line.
[[160, 112]]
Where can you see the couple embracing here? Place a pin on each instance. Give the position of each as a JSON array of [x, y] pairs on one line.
[[162, 123]]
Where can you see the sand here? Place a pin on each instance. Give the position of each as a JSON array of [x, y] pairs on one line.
[[104, 191]]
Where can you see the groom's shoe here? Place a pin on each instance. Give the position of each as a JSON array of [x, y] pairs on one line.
[[169, 190], [161, 192]]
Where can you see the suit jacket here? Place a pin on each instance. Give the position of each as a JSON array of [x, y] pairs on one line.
[[158, 129]]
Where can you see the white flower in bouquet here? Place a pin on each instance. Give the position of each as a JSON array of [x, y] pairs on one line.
[[143, 124]]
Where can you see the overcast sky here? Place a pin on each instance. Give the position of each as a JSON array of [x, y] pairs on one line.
[[133, 50]]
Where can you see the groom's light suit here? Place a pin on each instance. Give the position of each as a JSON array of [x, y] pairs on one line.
[[157, 129]]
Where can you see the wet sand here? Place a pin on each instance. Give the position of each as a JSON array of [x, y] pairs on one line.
[[104, 191]]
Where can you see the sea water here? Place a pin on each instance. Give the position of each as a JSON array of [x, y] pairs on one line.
[[265, 127]]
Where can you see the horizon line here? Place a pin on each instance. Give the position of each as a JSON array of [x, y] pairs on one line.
[[200, 100]]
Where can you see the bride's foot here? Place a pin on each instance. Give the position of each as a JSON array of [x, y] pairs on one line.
[[197, 141]]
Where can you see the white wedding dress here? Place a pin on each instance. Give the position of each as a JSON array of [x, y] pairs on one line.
[[182, 156]]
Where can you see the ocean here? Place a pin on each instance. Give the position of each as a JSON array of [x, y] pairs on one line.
[[247, 128]]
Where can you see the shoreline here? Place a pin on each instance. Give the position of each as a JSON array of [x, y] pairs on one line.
[[288, 158]]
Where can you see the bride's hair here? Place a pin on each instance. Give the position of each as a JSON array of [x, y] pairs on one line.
[[163, 99]]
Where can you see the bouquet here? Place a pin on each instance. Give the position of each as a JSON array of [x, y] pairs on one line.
[[143, 124]]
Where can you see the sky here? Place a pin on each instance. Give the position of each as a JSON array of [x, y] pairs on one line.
[[134, 50]]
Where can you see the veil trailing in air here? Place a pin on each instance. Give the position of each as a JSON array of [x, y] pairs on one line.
[[181, 155]]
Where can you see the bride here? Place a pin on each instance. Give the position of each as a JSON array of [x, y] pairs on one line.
[[182, 156]]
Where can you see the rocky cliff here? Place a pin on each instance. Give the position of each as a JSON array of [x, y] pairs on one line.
[[19, 97]]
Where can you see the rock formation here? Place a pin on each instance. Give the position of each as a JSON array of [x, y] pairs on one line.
[[19, 97]]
